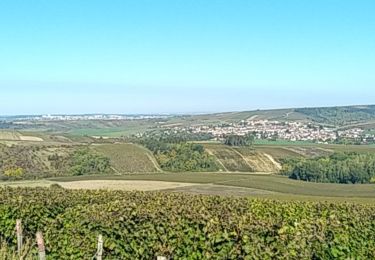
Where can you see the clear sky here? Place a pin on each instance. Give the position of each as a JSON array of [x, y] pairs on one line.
[[159, 56]]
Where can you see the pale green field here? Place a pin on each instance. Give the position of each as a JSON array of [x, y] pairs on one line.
[[278, 184]]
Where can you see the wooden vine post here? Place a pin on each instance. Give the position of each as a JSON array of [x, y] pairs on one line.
[[99, 253], [161, 258], [19, 235], [41, 247]]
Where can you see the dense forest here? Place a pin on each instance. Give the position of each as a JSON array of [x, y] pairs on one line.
[[173, 153], [339, 116], [336, 168]]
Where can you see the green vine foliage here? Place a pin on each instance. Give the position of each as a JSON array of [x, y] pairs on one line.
[[138, 225]]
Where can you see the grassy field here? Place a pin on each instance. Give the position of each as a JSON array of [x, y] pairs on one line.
[[278, 184], [128, 158]]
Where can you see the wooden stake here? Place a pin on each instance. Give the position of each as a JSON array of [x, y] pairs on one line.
[[99, 254], [41, 247], [161, 258], [19, 235]]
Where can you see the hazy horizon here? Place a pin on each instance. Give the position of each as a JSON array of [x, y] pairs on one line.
[[180, 113], [120, 57]]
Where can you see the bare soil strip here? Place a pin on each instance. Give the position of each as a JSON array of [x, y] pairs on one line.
[[124, 185], [31, 138], [277, 165], [217, 159], [191, 188]]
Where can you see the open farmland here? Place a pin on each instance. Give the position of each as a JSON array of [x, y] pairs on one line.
[[129, 158], [273, 183], [17, 136]]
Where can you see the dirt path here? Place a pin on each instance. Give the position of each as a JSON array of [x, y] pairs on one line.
[[277, 165], [252, 118], [115, 170], [243, 158], [217, 159], [124, 185], [151, 157], [288, 114]]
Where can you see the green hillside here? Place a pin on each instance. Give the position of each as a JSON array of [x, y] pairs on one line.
[[339, 116], [129, 158]]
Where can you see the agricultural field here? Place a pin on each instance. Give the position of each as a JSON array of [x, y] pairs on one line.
[[128, 158], [259, 162], [229, 159], [87, 128], [277, 152], [259, 158], [17, 136], [139, 225], [273, 183], [280, 151]]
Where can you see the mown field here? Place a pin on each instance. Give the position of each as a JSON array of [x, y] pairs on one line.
[[137, 225], [128, 158], [274, 183]]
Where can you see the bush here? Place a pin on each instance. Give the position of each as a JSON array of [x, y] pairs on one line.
[[14, 173], [85, 162]]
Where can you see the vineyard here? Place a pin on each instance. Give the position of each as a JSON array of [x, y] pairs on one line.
[[138, 225], [128, 158]]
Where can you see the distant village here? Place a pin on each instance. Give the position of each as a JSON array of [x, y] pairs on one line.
[[275, 130]]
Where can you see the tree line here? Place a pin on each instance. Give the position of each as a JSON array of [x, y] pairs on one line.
[[239, 140], [337, 168], [173, 153]]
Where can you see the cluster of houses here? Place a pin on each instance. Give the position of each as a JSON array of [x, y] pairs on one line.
[[275, 130]]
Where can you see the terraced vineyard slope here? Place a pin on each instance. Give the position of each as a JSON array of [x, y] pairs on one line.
[[243, 159], [129, 158]]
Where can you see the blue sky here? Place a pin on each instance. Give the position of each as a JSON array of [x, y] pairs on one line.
[[176, 56]]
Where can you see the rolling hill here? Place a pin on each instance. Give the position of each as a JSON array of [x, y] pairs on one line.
[[129, 158]]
